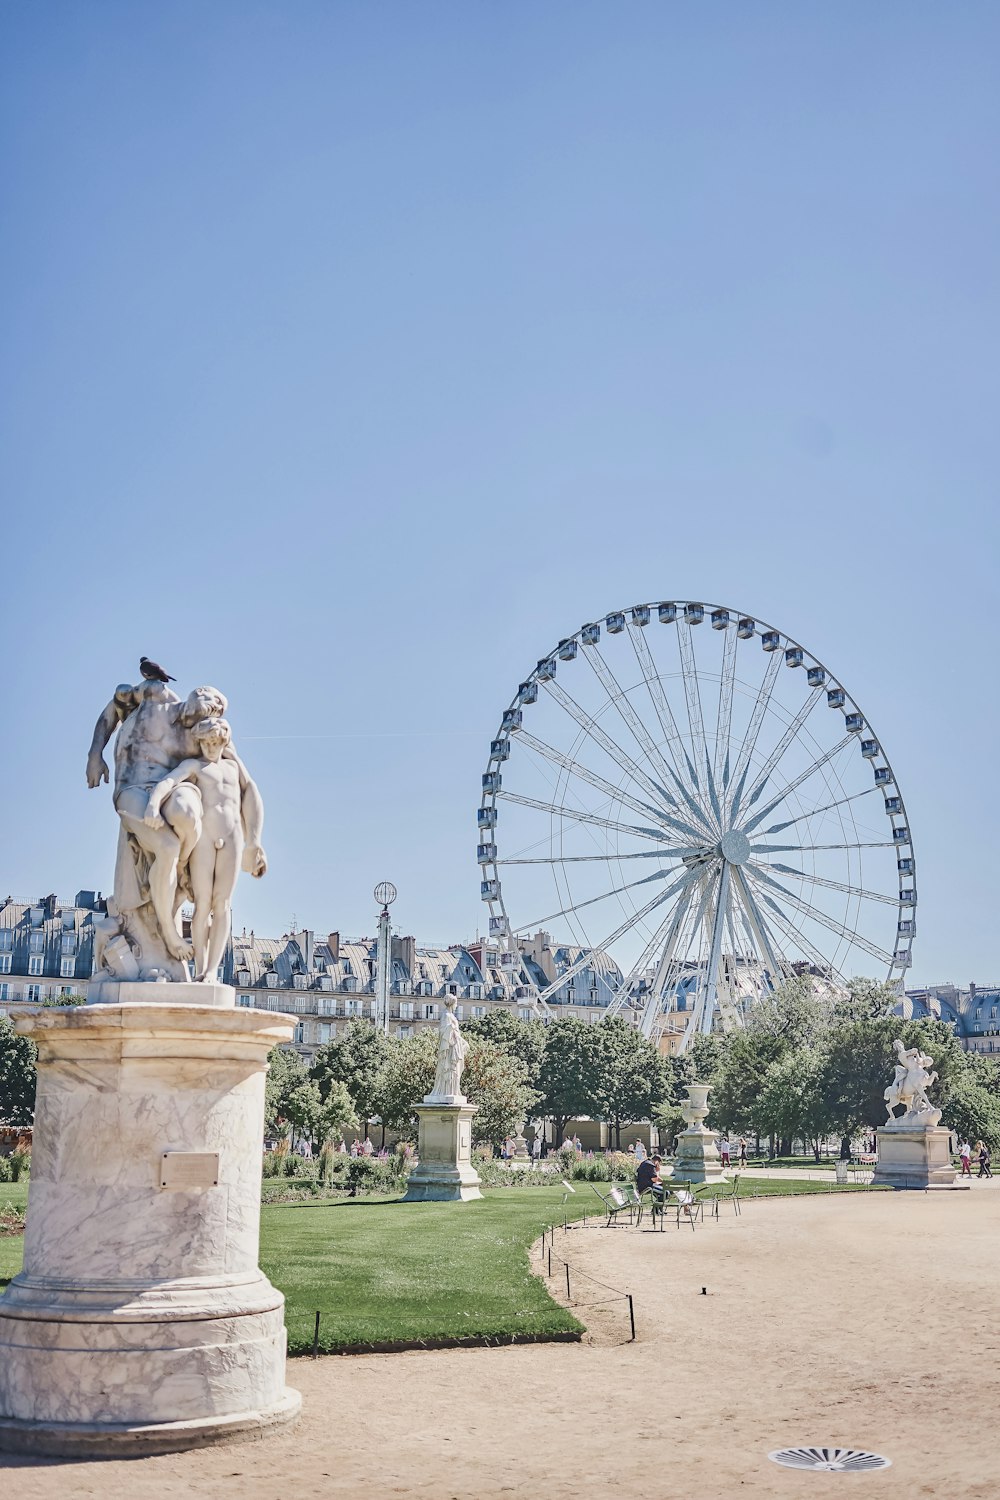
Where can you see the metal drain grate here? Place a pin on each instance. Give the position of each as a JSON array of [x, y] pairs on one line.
[[833, 1460]]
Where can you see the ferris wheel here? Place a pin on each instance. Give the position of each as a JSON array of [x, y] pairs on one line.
[[688, 797]]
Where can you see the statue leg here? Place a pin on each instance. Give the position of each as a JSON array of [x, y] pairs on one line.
[[202, 872], [224, 876], [162, 846]]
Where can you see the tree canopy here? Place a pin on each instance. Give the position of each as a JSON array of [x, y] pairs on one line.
[[17, 1076]]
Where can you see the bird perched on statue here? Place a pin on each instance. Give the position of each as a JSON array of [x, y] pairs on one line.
[[152, 672]]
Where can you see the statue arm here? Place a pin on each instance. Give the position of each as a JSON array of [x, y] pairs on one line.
[[117, 710], [186, 771], [252, 816]]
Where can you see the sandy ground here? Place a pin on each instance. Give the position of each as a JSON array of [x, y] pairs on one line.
[[868, 1321]]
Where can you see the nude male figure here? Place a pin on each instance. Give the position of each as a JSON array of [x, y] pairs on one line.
[[218, 854], [154, 736]]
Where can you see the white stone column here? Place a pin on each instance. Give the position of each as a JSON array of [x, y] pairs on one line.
[[141, 1322]]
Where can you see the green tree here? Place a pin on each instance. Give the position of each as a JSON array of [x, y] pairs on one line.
[[316, 1119], [355, 1058], [406, 1076], [669, 1122], [973, 1111], [629, 1077], [285, 1071], [17, 1076], [866, 1000], [858, 1061], [791, 1101], [497, 1082], [567, 1078], [522, 1039]]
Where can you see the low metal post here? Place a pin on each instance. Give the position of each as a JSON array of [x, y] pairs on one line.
[[631, 1315], [567, 1280], [550, 1260], [316, 1338]]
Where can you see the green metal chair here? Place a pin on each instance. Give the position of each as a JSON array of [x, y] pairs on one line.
[[733, 1197], [616, 1203]]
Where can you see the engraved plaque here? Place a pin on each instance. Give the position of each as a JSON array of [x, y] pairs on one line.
[[189, 1169]]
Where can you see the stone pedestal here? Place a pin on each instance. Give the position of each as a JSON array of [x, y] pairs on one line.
[[141, 1322], [914, 1157], [697, 1155], [444, 1172]]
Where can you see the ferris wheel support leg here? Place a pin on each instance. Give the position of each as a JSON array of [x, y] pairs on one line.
[[718, 927]]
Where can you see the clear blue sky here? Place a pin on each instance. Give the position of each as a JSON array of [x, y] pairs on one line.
[[353, 354]]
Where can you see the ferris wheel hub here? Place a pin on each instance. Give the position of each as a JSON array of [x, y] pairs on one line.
[[735, 847]]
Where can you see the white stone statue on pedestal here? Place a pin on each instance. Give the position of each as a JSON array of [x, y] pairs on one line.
[[909, 1088], [444, 1171], [140, 1321], [190, 815], [913, 1148], [451, 1054]]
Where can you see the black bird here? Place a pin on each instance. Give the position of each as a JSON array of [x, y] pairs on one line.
[[152, 672]]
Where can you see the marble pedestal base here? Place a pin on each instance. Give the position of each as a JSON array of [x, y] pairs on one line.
[[917, 1158], [137, 992], [444, 1172], [141, 1322], [697, 1158]]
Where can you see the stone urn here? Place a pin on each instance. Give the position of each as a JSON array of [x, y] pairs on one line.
[[697, 1154], [695, 1107]]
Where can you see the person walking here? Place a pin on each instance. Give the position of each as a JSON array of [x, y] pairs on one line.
[[724, 1151], [984, 1159], [965, 1157], [743, 1150]]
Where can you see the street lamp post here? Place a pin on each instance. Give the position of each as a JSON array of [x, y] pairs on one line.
[[385, 895]]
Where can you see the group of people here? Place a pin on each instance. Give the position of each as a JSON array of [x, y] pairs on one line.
[[982, 1155], [726, 1151]]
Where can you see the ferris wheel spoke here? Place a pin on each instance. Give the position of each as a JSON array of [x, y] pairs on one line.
[[814, 914], [724, 718], [793, 786], [565, 911], [715, 949], [798, 939], [708, 883], [815, 812], [758, 926], [834, 885], [749, 744], [607, 744], [696, 722], [665, 967], [574, 767], [683, 765], [789, 735], [587, 956], [667, 929], [811, 848], [584, 859], [623, 707], [657, 834]]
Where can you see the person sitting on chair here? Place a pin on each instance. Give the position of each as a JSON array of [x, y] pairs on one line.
[[647, 1175]]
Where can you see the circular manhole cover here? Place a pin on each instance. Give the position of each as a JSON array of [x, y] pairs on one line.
[[832, 1460]]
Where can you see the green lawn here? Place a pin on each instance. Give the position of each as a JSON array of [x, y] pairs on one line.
[[380, 1271]]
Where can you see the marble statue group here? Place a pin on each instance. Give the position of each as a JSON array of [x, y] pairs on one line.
[[190, 817], [911, 1080]]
